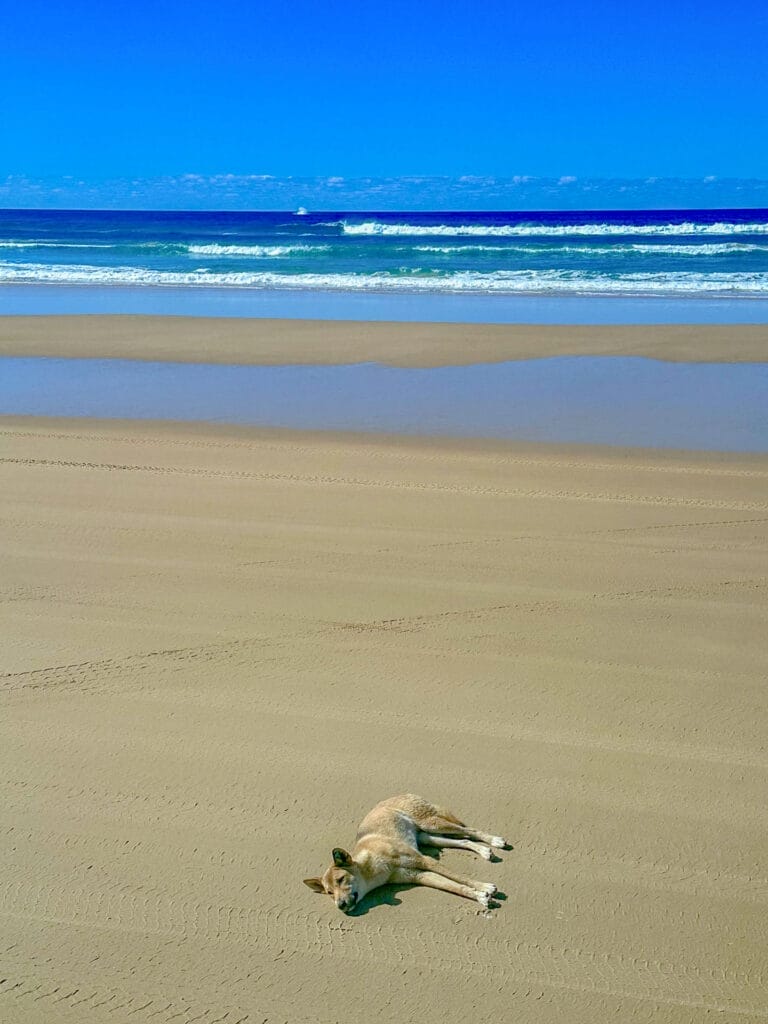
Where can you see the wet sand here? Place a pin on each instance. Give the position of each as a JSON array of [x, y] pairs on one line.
[[222, 646], [327, 342]]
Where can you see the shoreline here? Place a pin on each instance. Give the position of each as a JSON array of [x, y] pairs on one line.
[[457, 308], [275, 342], [694, 460]]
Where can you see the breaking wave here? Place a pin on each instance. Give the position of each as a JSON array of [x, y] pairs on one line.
[[53, 245], [499, 281], [212, 249], [373, 227], [690, 249], [255, 251]]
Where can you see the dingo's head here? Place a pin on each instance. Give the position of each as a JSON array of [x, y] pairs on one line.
[[340, 881]]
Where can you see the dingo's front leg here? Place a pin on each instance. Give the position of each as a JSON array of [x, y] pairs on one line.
[[471, 890], [426, 872]]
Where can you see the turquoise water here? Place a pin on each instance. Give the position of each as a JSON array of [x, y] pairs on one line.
[[616, 400], [502, 266]]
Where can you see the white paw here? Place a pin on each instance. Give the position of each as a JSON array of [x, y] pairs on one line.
[[485, 851], [488, 888], [498, 842], [482, 899]]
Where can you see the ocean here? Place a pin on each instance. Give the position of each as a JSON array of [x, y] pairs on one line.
[[716, 254]]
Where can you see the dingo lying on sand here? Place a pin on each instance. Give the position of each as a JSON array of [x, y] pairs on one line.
[[387, 850]]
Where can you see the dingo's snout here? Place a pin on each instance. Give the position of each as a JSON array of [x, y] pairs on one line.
[[347, 902]]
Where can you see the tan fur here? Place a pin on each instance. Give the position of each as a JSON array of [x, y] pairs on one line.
[[387, 850]]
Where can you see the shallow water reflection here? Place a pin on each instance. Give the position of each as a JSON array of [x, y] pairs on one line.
[[600, 400], [41, 299]]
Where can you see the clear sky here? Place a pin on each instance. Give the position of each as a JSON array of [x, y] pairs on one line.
[[107, 89]]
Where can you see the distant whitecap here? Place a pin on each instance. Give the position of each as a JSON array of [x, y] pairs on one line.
[[551, 230]]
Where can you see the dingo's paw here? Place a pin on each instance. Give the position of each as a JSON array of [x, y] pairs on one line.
[[484, 892], [485, 851], [498, 842]]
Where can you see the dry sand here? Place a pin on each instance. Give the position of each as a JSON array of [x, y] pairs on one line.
[[222, 646], [276, 342]]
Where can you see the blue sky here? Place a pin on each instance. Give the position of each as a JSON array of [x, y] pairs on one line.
[[132, 97]]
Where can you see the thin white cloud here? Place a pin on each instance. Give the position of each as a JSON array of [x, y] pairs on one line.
[[193, 190]]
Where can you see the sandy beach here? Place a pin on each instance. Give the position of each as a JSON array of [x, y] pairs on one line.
[[279, 342], [221, 646]]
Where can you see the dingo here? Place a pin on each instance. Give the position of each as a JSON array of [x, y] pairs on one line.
[[387, 850]]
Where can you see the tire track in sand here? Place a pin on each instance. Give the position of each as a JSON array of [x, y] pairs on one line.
[[437, 488], [426, 455], [277, 930]]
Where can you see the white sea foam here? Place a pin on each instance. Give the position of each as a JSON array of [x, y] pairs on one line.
[[552, 230], [689, 249], [451, 249], [52, 245], [162, 247], [500, 281], [255, 251], [212, 249], [273, 251]]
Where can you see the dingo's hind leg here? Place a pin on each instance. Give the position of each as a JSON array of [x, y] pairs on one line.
[[437, 825], [446, 842]]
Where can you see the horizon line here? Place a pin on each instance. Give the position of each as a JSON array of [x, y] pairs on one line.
[[305, 211]]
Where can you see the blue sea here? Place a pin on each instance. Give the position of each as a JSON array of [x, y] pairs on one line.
[[270, 262]]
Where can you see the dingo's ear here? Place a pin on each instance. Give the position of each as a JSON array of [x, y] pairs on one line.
[[315, 884], [341, 858]]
